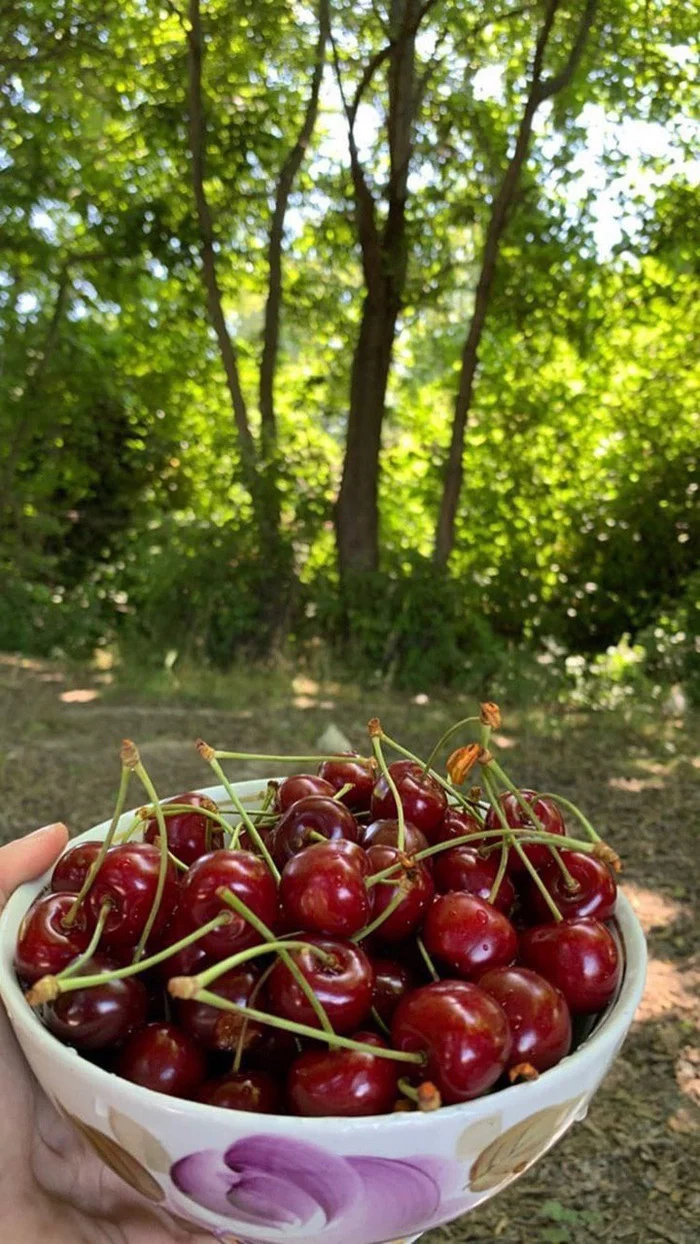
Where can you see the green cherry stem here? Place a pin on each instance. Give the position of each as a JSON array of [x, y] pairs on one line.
[[375, 734], [444, 740], [207, 753], [74, 967], [570, 882], [380, 1022], [495, 770], [426, 958], [99, 858], [512, 839], [502, 864], [150, 790], [571, 807], [378, 921], [240, 1045], [287, 760], [188, 986], [343, 791]]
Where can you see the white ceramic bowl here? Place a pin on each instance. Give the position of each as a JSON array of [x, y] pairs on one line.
[[270, 1178]]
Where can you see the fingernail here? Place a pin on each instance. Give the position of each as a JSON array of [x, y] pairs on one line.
[[44, 829]]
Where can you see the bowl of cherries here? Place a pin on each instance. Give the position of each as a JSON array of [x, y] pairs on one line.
[[348, 1004]]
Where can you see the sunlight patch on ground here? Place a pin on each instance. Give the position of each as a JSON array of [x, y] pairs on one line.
[[80, 695], [654, 910], [636, 785], [668, 988]]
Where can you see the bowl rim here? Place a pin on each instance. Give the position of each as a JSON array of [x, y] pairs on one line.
[[609, 1032]]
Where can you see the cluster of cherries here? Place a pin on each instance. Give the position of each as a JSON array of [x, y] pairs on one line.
[[368, 939]]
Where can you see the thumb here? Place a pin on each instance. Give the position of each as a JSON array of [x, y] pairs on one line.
[[26, 858]]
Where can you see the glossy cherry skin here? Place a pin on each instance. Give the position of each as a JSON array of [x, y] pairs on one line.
[[244, 1090], [189, 834], [299, 786], [44, 946], [455, 824], [386, 833], [419, 889], [462, 1032], [104, 1015], [468, 935], [353, 769], [313, 814], [596, 894], [213, 1028], [424, 801], [245, 875], [162, 1058], [391, 981], [73, 867], [343, 1082], [537, 1014], [343, 985], [128, 880], [549, 816], [462, 868], [579, 957], [322, 891]]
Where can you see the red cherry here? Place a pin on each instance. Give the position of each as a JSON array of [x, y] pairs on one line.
[[596, 894], [246, 876], [189, 834], [246, 843], [243, 1090], [386, 834], [343, 1082], [314, 814], [415, 882], [73, 867], [274, 1048], [185, 962], [103, 1015], [462, 868], [463, 1033], [44, 946], [343, 985], [468, 935], [455, 824], [298, 786], [162, 1058], [391, 981], [213, 1028], [322, 891], [424, 801], [579, 957], [537, 1015], [128, 879], [351, 769], [548, 814]]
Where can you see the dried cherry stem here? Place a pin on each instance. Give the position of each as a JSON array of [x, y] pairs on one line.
[[94, 942], [498, 879], [97, 863], [426, 958], [426, 1096], [207, 753], [444, 740], [451, 790], [375, 733], [378, 921], [305, 1030], [571, 807], [187, 986], [523, 1071], [150, 790], [512, 839]]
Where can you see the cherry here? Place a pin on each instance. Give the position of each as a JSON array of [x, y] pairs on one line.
[[245, 842], [186, 962], [323, 891], [462, 868], [360, 772], [391, 981], [537, 1015], [243, 1090], [461, 1030], [468, 935], [424, 801], [103, 1015], [44, 945], [343, 1082], [73, 867], [128, 879], [162, 1058], [246, 876], [342, 982], [313, 814], [274, 1048], [213, 1028], [298, 786], [386, 833], [413, 880], [189, 834], [595, 895], [547, 813], [455, 824], [578, 956]]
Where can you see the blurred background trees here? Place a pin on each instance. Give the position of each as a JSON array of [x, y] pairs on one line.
[[364, 330]]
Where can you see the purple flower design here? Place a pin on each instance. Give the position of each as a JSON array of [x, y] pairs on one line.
[[277, 1184]]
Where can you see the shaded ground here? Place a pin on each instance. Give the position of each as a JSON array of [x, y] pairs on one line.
[[631, 1171]]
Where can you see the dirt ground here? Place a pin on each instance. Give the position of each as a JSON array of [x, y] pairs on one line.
[[631, 1171]]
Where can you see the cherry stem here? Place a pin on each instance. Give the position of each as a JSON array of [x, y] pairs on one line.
[[240, 1045], [150, 790], [188, 986], [305, 1030], [451, 790], [512, 840], [270, 792], [379, 754], [444, 740], [250, 826], [426, 1096], [291, 760], [389, 910], [94, 942], [343, 791], [502, 865], [315, 836], [570, 882], [380, 1022], [227, 896], [571, 807], [99, 858], [527, 808], [426, 958]]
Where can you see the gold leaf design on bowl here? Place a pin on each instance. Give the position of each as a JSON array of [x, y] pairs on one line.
[[510, 1154], [140, 1143], [475, 1138], [119, 1161]]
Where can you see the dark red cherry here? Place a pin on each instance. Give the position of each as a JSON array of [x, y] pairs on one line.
[[355, 769], [298, 786], [322, 891], [73, 867], [128, 880], [579, 957], [468, 935], [244, 1090], [189, 833], [424, 801], [416, 884], [537, 1015], [162, 1058], [343, 1082], [391, 981], [342, 982], [455, 824], [185, 962], [44, 946], [386, 834], [462, 868], [275, 1048], [213, 1028], [313, 815], [245, 875], [462, 1032], [548, 814], [595, 895], [246, 843], [93, 1018]]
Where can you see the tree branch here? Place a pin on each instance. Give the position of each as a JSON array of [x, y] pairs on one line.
[[553, 85], [365, 207]]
